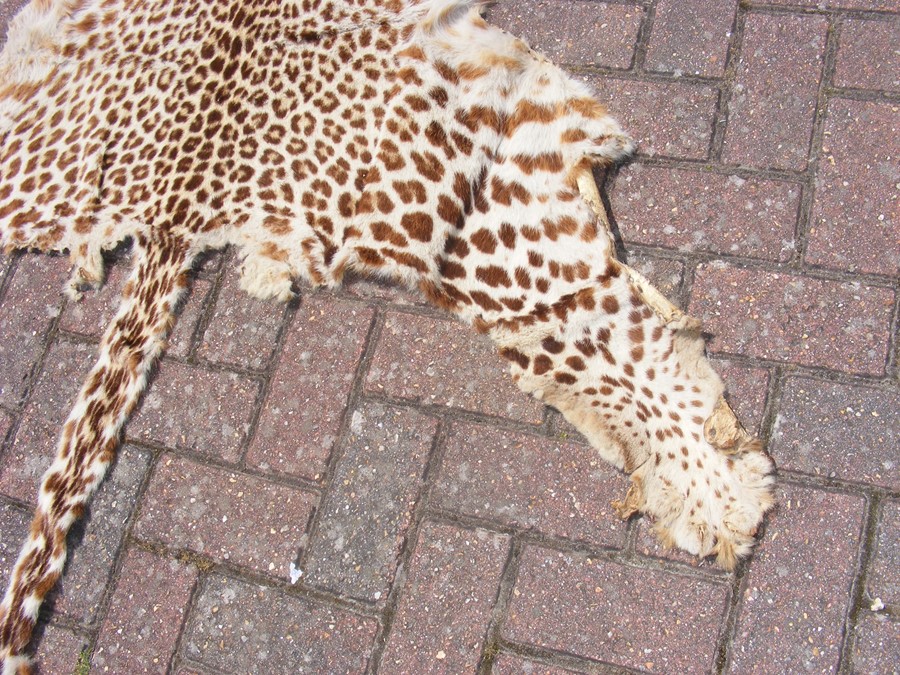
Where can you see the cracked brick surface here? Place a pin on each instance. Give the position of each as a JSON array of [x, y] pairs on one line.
[[353, 483]]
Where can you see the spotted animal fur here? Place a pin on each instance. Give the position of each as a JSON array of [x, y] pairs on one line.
[[401, 138]]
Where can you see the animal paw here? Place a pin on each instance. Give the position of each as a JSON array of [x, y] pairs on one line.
[[702, 500]]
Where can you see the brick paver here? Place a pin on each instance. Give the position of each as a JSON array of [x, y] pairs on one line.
[[243, 627], [615, 613], [877, 645], [14, 523], [780, 54], [882, 581], [856, 219], [838, 431], [62, 651], [668, 119], [665, 274], [868, 56], [602, 35], [691, 37], [190, 408], [364, 518], [34, 447], [224, 515], [560, 489], [302, 413], [884, 5], [242, 330], [796, 596], [96, 543], [443, 615], [31, 302], [507, 664], [746, 389], [701, 211], [146, 613], [438, 362], [785, 317], [353, 483]]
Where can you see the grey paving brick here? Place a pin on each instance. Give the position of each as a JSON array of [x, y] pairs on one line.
[[884, 5], [148, 607], [445, 607], [868, 57], [21, 467], [364, 517], [59, 650], [237, 626], [665, 274], [302, 413], [797, 592], [627, 616], [95, 542], [877, 645], [746, 390], [14, 523], [530, 482], [838, 431], [509, 664], [225, 515], [882, 581]]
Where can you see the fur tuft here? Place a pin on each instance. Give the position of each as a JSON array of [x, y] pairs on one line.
[[17, 665]]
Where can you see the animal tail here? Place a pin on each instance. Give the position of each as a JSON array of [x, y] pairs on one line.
[[129, 349]]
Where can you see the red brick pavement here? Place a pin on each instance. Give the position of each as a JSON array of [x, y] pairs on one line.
[[352, 484]]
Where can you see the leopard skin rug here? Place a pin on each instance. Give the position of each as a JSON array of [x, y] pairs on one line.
[[406, 139]]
